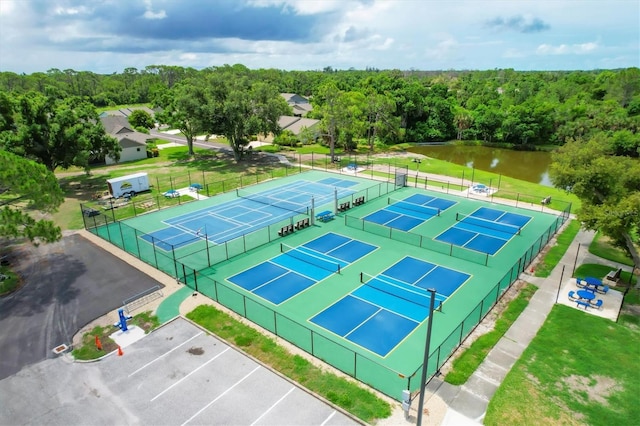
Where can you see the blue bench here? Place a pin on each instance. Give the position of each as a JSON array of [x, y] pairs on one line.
[[583, 303]]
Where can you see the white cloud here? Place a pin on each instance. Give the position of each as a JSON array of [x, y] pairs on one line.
[[150, 14], [566, 49]]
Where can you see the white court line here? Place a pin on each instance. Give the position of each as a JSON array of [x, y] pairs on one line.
[[219, 396], [185, 377], [165, 354], [328, 418], [273, 406]]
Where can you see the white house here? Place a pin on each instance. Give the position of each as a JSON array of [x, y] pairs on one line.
[[133, 144]]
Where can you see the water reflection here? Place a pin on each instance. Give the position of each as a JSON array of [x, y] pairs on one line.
[[524, 165]]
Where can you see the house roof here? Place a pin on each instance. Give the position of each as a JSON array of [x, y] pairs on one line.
[[133, 139], [115, 125], [126, 112], [296, 124], [294, 98]]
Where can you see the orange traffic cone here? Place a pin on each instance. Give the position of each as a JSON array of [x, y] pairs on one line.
[[98, 343], [120, 353]]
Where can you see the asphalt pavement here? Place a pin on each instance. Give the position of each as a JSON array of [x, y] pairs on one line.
[[66, 285]]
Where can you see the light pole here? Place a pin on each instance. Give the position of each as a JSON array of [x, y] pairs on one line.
[[417, 161], [425, 363]]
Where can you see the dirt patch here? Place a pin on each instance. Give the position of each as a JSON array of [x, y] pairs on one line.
[[596, 388]]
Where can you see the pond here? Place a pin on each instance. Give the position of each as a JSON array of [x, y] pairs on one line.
[[530, 166]]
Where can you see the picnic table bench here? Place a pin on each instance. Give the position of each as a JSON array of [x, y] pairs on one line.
[[325, 216]]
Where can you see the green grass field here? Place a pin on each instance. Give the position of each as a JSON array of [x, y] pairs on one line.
[[579, 369]]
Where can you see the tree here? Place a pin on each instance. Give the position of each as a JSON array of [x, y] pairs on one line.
[[326, 106], [608, 186], [239, 109], [141, 118], [26, 187], [185, 108], [58, 133]]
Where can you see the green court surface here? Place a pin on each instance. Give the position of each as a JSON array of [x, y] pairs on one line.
[[207, 266]]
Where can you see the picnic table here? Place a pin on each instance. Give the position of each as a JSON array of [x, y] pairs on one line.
[[586, 295], [593, 281]]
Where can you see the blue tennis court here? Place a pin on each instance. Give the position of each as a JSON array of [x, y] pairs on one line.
[[298, 268], [249, 212], [383, 311], [485, 230], [410, 212]]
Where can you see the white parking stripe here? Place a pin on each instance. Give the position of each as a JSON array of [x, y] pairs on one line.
[[165, 354], [185, 377], [329, 418], [276, 403], [220, 396]]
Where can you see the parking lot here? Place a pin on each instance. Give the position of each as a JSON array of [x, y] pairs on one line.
[[178, 374], [67, 284]]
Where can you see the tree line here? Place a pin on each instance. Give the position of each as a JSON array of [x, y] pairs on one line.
[[523, 109]]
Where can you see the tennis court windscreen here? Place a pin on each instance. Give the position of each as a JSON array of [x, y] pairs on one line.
[[274, 202], [497, 226], [414, 207], [311, 257]]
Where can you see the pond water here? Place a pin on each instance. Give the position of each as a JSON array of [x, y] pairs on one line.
[[530, 166]]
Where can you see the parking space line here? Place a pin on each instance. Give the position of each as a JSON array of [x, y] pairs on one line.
[[276, 403], [185, 377], [220, 396], [329, 418], [165, 354]]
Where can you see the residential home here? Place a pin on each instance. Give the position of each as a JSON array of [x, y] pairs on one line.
[[133, 144], [300, 105], [293, 124], [126, 112]]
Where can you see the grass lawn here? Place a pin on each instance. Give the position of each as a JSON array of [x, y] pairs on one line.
[[471, 358], [555, 253], [9, 281], [579, 369], [340, 391], [600, 246]]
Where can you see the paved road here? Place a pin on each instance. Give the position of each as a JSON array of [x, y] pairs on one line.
[[67, 285]]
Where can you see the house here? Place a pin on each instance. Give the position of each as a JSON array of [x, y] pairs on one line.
[[300, 105], [133, 144], [293, 124], [126, 112]]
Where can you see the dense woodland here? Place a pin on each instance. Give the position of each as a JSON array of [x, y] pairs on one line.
[[523, 109], [49, 121]]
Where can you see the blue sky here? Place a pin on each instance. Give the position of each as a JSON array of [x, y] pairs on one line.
[[107, 36]]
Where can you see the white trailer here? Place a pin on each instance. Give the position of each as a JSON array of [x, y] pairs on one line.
[[128, 185]]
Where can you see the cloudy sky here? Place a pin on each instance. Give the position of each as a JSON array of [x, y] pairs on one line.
[[107, 36]]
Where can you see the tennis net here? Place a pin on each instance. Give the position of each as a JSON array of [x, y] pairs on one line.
[[311, 257], [274, 202], [420, 208], [413, 296], [490, 224]]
